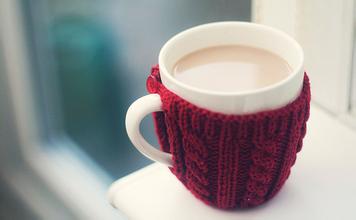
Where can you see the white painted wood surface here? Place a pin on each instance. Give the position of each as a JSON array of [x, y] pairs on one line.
[[324, 28], [322, 184]]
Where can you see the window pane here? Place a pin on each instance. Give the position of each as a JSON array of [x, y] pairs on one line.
[[91, 60]]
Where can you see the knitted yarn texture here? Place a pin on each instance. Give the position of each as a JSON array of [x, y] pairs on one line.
[[230, 161]]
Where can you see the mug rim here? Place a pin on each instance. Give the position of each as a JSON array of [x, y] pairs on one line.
[[232, 24]]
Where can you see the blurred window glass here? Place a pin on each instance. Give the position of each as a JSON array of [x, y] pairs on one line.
[[90, 60]]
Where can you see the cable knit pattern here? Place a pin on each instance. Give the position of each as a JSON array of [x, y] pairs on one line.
[[230, 161]]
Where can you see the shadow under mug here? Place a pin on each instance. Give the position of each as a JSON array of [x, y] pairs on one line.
[[240, 103]]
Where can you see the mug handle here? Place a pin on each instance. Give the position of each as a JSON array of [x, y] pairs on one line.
[[136, 112]]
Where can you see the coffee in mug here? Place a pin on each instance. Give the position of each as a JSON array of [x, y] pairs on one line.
[[231, 68]]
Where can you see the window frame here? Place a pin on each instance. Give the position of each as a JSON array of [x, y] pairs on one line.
[[310, 22], [79, 185], [353, 89]]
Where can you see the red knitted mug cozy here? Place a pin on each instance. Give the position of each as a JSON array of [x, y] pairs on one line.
[[230, 161]]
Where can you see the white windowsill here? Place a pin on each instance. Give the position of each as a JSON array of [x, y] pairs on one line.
[[322, 184]]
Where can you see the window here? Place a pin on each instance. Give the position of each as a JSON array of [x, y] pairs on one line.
[[90, 62], [73, 69]]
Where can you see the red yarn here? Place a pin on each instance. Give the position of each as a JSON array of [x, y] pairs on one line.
[[230, 161]]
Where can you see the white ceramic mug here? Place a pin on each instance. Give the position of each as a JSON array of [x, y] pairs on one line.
[[215, 34]]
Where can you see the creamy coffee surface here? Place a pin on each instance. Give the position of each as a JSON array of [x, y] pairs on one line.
[[231, 68]]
